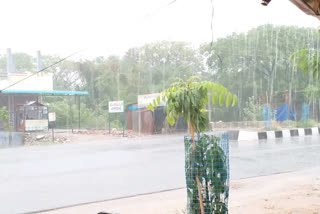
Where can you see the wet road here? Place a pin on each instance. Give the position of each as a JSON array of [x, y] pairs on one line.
[[44, 177]]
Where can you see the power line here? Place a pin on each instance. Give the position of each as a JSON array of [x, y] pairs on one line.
[[171, 2], [160, 8], [59, 61]]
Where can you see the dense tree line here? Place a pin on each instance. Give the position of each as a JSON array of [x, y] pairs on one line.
[[253, 64]]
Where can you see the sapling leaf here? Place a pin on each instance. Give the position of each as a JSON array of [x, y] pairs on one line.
[[235, 100], [155, 103], [229, 99], [214, 98], [221, 98]]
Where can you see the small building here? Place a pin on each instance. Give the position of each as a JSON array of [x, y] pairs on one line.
[[32, 116], [21, 93], [140, 119]]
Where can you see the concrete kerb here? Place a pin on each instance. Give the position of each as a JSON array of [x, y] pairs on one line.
[[239, 135]]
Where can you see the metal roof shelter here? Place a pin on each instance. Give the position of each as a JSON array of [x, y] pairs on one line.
[[12, 98], [309, 7]]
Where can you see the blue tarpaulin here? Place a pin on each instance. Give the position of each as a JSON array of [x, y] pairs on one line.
[[281, 113], [133, 108], [284, 113]]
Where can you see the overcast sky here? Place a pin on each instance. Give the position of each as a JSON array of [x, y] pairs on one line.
[[104, 27]]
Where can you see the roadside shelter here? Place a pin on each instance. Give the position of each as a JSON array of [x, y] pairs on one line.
[[26, 109]]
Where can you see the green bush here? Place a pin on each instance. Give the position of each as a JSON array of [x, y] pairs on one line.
[[67, 116], [306, 124], [4, 118], [253, 110], [299, 124], [289, 124]]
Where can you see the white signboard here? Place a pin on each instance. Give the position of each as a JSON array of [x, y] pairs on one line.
[[116, 106], [36, 125], [52, 116], [146, 99]]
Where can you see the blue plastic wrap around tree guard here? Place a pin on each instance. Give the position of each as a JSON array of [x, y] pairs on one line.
[[209, 162]]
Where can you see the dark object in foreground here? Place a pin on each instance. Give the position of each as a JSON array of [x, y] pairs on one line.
[[265, 2], [106, 213]]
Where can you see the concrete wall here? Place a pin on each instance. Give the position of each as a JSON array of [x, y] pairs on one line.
[[251, 125], [11, 139], [242, 124]]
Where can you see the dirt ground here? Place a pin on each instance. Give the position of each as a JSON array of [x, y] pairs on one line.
[[289, 193], [81, 136]]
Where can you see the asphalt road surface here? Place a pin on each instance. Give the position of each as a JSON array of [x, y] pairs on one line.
[[44, 177]]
